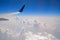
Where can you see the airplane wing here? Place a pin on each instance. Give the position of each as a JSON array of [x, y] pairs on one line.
[[22, 8], [3, 16]]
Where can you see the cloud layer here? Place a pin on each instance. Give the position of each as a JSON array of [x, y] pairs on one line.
[[19, 25]]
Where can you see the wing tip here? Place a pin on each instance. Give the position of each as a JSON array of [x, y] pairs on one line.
[[22, 8]]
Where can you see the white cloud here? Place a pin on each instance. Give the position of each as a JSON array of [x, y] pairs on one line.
[[17, 23], [41, 36]]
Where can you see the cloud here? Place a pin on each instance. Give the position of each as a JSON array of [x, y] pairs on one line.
[[32, 25], [40, 36], [3, 19]]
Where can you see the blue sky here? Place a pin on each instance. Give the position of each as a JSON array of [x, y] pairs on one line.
[[33, 7]]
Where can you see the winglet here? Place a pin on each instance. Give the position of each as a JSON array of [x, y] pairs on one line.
[[22, 8]]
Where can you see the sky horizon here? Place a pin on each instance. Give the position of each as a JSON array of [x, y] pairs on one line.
[[32, 8]]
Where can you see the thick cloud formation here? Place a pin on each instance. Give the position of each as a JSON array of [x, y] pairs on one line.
[[39, 36], [19, 27]]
